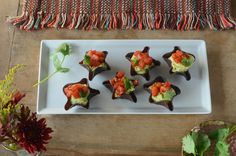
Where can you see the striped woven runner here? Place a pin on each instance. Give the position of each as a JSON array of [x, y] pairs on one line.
[[125, 14]]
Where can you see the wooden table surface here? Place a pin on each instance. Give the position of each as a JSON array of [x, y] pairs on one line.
[[119, 134]]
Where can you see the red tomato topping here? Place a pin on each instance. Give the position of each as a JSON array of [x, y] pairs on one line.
[[155, 91], [143, 59], [96, 57], [141, 64], [75, 89], [167, 84], [120, 74], [159, 87], [148, 60], [120, 90], [137, 53], [118, 83], [178, 56]]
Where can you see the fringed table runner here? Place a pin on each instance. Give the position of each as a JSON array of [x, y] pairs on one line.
[[125, 14]]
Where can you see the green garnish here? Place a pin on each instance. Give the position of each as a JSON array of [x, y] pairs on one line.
[[82, 94], [222, 149], [220, 135], [65, 50], [135, 61], [186, 62], [196, 143], [87, 59], [128, 83]]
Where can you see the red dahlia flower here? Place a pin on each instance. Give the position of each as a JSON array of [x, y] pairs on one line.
[[32, 133]]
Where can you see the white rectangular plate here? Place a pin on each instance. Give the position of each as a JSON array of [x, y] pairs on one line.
[[194, 99]]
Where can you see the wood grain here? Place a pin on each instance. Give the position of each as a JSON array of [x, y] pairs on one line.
[[128, 135]]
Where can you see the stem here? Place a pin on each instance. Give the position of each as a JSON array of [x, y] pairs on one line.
[[49, 76], [63, 59], [45, 79]]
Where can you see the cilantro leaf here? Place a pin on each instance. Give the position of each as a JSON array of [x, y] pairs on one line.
[[202, 143], [222, 149], [82, 94], [64, 70], [135, 61], [56, 62], [189, 145], [64, 48], [219, 134], [186, 62], [128, 83], [87, 59], [196, 144]]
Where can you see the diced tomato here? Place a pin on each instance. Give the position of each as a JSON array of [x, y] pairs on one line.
[[95, 57], [76, 95], [85, 89], [100, 54], [91, 52], [141, 64], [158, 84], [75, 87], [68, 92], [178, 60], [179, 53], [163, 89], [120, 74], [155, 91], [94, 63], [144, 55], [120, 90], [167, 84], [73, 90], [137, 53], [148, 60], [119, 83]]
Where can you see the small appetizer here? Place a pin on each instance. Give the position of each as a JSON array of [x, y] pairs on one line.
[[79, 93], [141, 63], [210, 138], [180, 62], [94, 62], [162, 93], [122, 87]]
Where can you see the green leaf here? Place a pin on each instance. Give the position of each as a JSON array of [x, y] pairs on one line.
[[128, 83], [87, 59], [135, 61], [186, 62], [64, 48], [222, 149], [196, 143], [64, 70], [56, 62], [189, 145], [202, 143], [82, 94], [219, 134]]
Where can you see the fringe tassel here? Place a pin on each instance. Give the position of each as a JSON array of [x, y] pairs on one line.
[[123, 21]]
